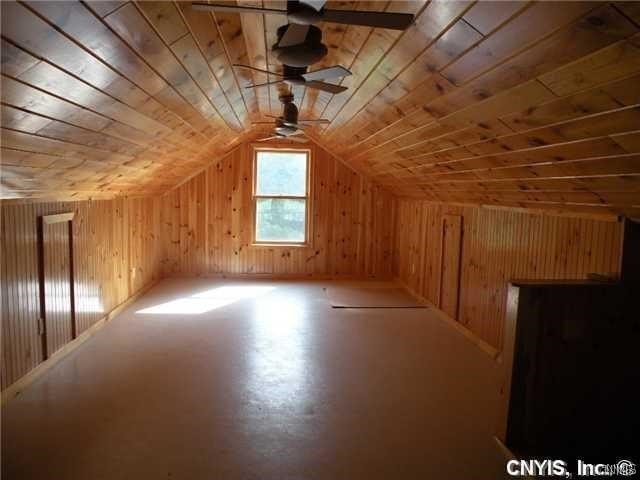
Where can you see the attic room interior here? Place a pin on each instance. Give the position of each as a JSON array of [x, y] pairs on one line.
[[319, 239]]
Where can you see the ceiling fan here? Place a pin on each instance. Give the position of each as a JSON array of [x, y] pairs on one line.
[[288, 126], [299, 76], [301, 32]]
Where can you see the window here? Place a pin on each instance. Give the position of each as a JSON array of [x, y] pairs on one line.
[[281, 188]]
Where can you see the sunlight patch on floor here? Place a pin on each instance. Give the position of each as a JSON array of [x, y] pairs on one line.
[[206, 301]]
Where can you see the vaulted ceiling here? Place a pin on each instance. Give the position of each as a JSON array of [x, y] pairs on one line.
[[527, 104]]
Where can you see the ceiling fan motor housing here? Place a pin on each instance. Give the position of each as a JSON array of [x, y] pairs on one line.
[[303, 54], [290, 112], [289, 115]]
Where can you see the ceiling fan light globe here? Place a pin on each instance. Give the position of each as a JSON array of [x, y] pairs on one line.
[[285, 130]]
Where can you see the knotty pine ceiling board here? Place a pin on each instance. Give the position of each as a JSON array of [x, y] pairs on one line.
[[521, 104]]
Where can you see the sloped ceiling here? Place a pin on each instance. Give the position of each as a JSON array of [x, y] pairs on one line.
[[521, 104]]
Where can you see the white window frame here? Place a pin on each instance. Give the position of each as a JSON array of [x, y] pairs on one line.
[[306, 198]]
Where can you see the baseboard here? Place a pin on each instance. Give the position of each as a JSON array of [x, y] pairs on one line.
[[23, 382], [281, 276], [490, 350]]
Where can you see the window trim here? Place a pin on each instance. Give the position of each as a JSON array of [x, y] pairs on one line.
[[254, 198]]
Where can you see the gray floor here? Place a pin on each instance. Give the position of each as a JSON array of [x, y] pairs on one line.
[[270, 384]]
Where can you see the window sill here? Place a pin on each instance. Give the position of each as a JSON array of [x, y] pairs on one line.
[[282, 245]]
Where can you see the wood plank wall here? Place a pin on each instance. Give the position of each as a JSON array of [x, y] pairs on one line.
[[207, 224], [117, 251], [499, 245]]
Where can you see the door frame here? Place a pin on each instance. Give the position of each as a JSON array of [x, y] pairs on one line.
[[44, 220]]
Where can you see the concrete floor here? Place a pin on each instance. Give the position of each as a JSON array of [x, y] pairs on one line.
[[274, 385]]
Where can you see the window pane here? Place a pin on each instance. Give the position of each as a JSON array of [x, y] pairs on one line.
[[281, 173], [280, 220]]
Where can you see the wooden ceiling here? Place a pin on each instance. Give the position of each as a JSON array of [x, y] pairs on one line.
[[525, 104]]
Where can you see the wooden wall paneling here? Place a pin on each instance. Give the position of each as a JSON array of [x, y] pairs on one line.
[[111, 240], [451, 260], [499, 246], [214, 217], [322, 206], [215, 208], [92, 111]]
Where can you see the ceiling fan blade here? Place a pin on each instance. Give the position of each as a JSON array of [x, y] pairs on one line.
[[257, 69], [295, 125], [264, 84], [315, 4], [216, 7], [394, 21], [326, 73], [297, 139], [295, 35], [275, 137], [325, 87], [319, 120]]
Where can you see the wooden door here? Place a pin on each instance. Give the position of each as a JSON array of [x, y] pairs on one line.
[[450, 271], [57, 310]]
